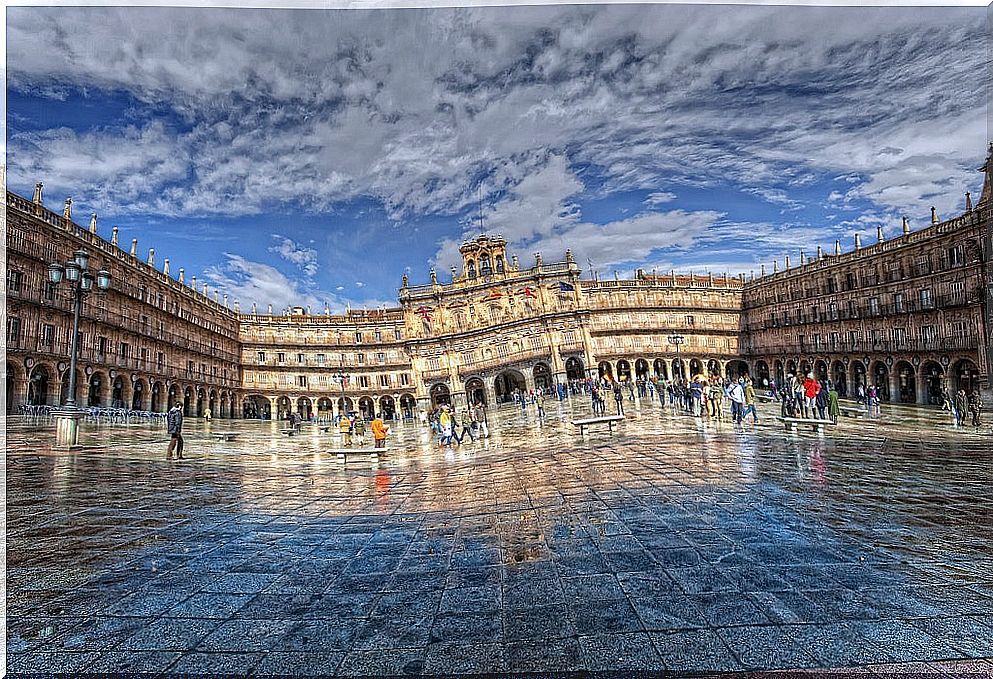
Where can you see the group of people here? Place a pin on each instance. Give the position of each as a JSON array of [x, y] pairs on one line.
[[452, 427], [962, 404], [352, 426], [808, 397]]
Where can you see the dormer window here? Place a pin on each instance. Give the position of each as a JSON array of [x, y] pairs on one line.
[[499, 264], [485, 268], [471, 269]]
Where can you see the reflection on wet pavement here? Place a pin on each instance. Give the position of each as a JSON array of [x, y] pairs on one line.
[[675, 544]]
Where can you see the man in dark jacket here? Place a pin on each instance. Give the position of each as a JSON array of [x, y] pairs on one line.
[[976, 407], [174, 421]]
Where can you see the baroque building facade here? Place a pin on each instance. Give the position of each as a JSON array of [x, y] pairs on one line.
[[906, 314]]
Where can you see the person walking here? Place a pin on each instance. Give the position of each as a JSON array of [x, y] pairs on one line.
[[618, 398], [696, 394], [379, 431], [960, 404], [479, 414], [345, 427], [810, 391], [737, 395], [465, 424], [834, 404], [174, 425], [749, 406], [540, 402], [447, 427], [975, 407]]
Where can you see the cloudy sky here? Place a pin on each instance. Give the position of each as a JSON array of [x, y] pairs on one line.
[[312, 156]]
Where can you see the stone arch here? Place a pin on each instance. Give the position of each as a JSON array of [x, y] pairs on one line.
[[475, 391], [880, 378], [174, 395], [40, 385], [118, 393], [13, 383], [225, 406], [212, 403], [470, 268], [200, 403], [780, 372], [157, 397], [367, 407], [714, 367], [860, 376], [820, 370], [325, 408], [138, 393], [387, 407], [906, 382], [679, 369], [408, 406], [440, 394], [839, 378], [605, 371], [507, 383], [641, 369], [500, 268], [304, 407], [283, 407], [696, 367], [256, 407], [623, 370], [574, 369], [790, 367], [660, 369], [762, 374], [933, 382], [345, 405], [542, 375], [965, 374], [96, 386]]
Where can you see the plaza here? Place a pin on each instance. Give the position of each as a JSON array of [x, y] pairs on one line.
[[678, 543]]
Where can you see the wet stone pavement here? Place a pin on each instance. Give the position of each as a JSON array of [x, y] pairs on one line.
[[676, 544]]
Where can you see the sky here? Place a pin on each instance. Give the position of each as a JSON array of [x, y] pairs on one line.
[[312, 157]]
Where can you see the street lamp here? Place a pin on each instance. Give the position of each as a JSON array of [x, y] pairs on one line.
[[677, 339], [75, 272], [340, 378]]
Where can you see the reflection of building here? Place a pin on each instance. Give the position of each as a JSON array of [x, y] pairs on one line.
[[904, 314]]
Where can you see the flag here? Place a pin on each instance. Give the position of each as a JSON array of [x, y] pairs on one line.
[[566, 287], [494, 293], [528, 292], [423, 311]]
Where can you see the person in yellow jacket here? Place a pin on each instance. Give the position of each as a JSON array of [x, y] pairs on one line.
[[379, 431], [447, 427], [345, 425]]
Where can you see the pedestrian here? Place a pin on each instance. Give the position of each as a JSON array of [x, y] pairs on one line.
[[174, 424], [618, 398], [540, 402], [960, 407], [810, 390], [207, 416], [465, 424], [737, 395], [821, 400], [696, 393], [975, 407], [345, 426], [750, 402], [479, 415], [379, 431], [834, 404], [447, 427]]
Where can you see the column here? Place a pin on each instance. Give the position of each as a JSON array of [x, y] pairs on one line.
[[894, 381]]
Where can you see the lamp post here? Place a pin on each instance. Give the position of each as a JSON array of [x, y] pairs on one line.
[[340, 378], [677, 339], [77, 274]]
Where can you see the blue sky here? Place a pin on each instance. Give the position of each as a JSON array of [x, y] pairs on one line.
[[314, 156]]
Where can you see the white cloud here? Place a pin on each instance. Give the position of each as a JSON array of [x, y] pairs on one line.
[[659, 197], [305, 258], [260, 283]]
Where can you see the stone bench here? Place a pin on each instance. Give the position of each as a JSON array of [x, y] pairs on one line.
[[289, 432], [792, 423], [849, 411], [224, 435], [607, 419], [343, 453]]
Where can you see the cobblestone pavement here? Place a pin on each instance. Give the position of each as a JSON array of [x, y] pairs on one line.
[[675, 544]]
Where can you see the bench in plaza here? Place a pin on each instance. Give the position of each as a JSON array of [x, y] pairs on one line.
[[792, 422], [606, 419], [849, 411], [765, 398], [224, 435], [343, 453], [289, 432]]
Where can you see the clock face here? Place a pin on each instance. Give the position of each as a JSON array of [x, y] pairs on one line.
[[487, 279]]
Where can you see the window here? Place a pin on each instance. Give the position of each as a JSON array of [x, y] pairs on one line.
[[849, 281], [689, 320], [877, 337], [928, 335], [161, 329], [381, 357], [396, 333], [832, 286], [833, 311], [160, 360], [301, 380], [404, 379], [189, 367], [47, 334], [363, 380], [379, 336], [49, 291], [125, 350], [144, 324], [874, 306], [954, 256], [360, 358], [853, 338], [900, 337], [101, 345], [358, 338], [835, 340], [815, 313], [13, 330], [14, 279], [260, 356], [280, 357], [321, 359], [299, 358], [852, 310], [898, 302], [926, 302], [384, 380]]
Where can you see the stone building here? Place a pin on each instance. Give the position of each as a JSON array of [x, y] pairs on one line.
[[904, 313], [149, 341]]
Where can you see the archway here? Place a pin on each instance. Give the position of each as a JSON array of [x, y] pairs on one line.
[[736, 369], [858, 376], [157, 390], [790, 368], [408, 406], [174, 393], [820, 370], [95, 394], [542, 376], [201, 398], [64, 386], [780, 373], [881, 380], [212, 403], [605, 371], [839, 378], [933, 377], [138, 395], [345, 406], [256, 408], [660, 369], [966, 375], [325, 409], [906, 382], [805, 368], [574, 369], [696, 367], [117, 393], [11, 379], [283, 407], [475, 391], [225, 409], [762, 373], [387, 408], [678, 369], [508, 382], [714, 367], [367, 408], [623, 371], [440, 395], [304, 407], [38, 386], [641, 369]]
